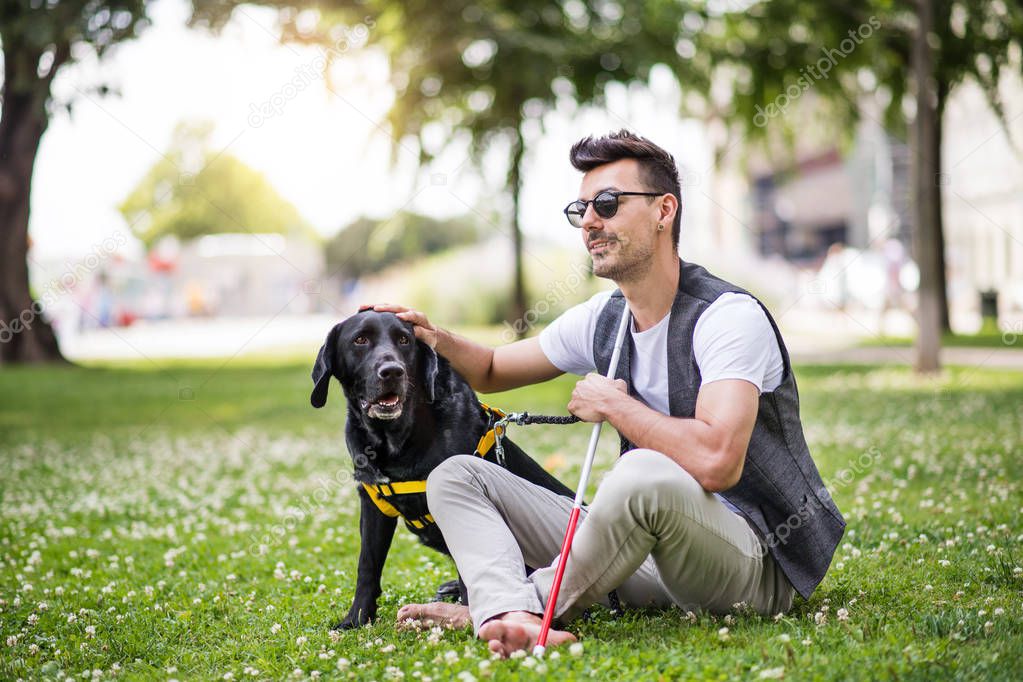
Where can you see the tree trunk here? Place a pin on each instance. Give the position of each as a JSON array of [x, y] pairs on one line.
[[518, 310], [927, 241], [939, 230], [25, 334]]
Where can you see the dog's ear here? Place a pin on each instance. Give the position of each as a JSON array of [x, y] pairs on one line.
[[323, 370], [428, 361]]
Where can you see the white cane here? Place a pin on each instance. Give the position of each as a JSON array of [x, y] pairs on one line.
[[573, 519]]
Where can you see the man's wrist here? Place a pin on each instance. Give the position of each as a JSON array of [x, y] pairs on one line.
[[443, 343], [614, 406]]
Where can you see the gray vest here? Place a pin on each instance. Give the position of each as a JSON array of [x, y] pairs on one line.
[[780, 493]]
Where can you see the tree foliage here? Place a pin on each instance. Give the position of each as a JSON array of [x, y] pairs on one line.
[[193, 191], [775, 45], [480, 69], [366, 246]]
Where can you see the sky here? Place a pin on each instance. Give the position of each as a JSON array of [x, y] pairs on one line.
[[328, 154]]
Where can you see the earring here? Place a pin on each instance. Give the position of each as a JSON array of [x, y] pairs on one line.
[[660, 227]]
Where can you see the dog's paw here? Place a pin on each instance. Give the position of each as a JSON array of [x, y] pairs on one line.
[[346, 624], [356, 618]]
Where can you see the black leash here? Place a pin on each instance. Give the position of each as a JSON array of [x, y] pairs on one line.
[[524, 419]]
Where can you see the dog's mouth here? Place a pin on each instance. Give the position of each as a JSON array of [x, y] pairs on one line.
[[385, 406]]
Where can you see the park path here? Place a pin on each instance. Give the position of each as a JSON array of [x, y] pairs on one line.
[[822, 342], [994, 358]]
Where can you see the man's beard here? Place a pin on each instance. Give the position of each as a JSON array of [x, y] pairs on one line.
[[625, 265]]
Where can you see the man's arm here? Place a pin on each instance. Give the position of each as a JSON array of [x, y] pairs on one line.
[[488, 370], [711, 446]]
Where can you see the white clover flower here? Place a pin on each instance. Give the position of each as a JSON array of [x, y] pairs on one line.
[[90, 631], [387, 649], [275, 628], [518, 654], [772, 673], [301, 641], [575, 649], [466, 676], [723, 634], [843, 615], [12, 640], [450, 657], [343, 663], [784, 637]]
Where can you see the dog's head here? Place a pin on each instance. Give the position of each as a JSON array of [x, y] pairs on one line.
[[379, 363]]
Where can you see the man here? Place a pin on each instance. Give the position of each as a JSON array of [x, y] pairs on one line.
[[715, 499]]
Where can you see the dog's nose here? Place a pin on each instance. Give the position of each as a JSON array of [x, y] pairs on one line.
[[391, 370]]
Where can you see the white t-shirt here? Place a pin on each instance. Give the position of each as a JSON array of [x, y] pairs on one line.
[[733, 339]]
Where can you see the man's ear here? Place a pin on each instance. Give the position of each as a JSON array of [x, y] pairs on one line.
[[428, 361], [323, 370]]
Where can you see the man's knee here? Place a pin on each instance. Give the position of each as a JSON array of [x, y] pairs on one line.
[[454, 471], [645, 473]]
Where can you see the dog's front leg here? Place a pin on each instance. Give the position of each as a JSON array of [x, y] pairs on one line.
[[376, 531]]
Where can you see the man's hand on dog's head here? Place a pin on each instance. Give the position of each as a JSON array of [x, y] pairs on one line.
[[424, 331]]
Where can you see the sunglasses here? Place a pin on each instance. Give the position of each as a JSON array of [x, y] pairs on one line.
[[605, 204]]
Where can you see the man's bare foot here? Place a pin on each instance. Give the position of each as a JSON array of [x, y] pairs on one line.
[[434, 613], [518, 631]]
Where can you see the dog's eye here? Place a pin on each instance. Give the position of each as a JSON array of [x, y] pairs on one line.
[[361, 340], [403, 340]]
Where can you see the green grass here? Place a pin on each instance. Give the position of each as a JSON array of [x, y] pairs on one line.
[[135, 500], [989, 338]]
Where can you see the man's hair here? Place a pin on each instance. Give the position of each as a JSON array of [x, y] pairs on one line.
[[657, 167]]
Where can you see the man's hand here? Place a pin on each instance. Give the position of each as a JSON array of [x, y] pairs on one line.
[[594, 395], [424, 331], [487, 370]]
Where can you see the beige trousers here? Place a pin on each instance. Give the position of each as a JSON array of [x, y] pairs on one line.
[[652, 532]]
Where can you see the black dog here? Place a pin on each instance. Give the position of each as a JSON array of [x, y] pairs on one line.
[[408, 410]]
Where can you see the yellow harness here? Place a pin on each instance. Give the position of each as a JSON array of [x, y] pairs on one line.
[[379, 492]]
